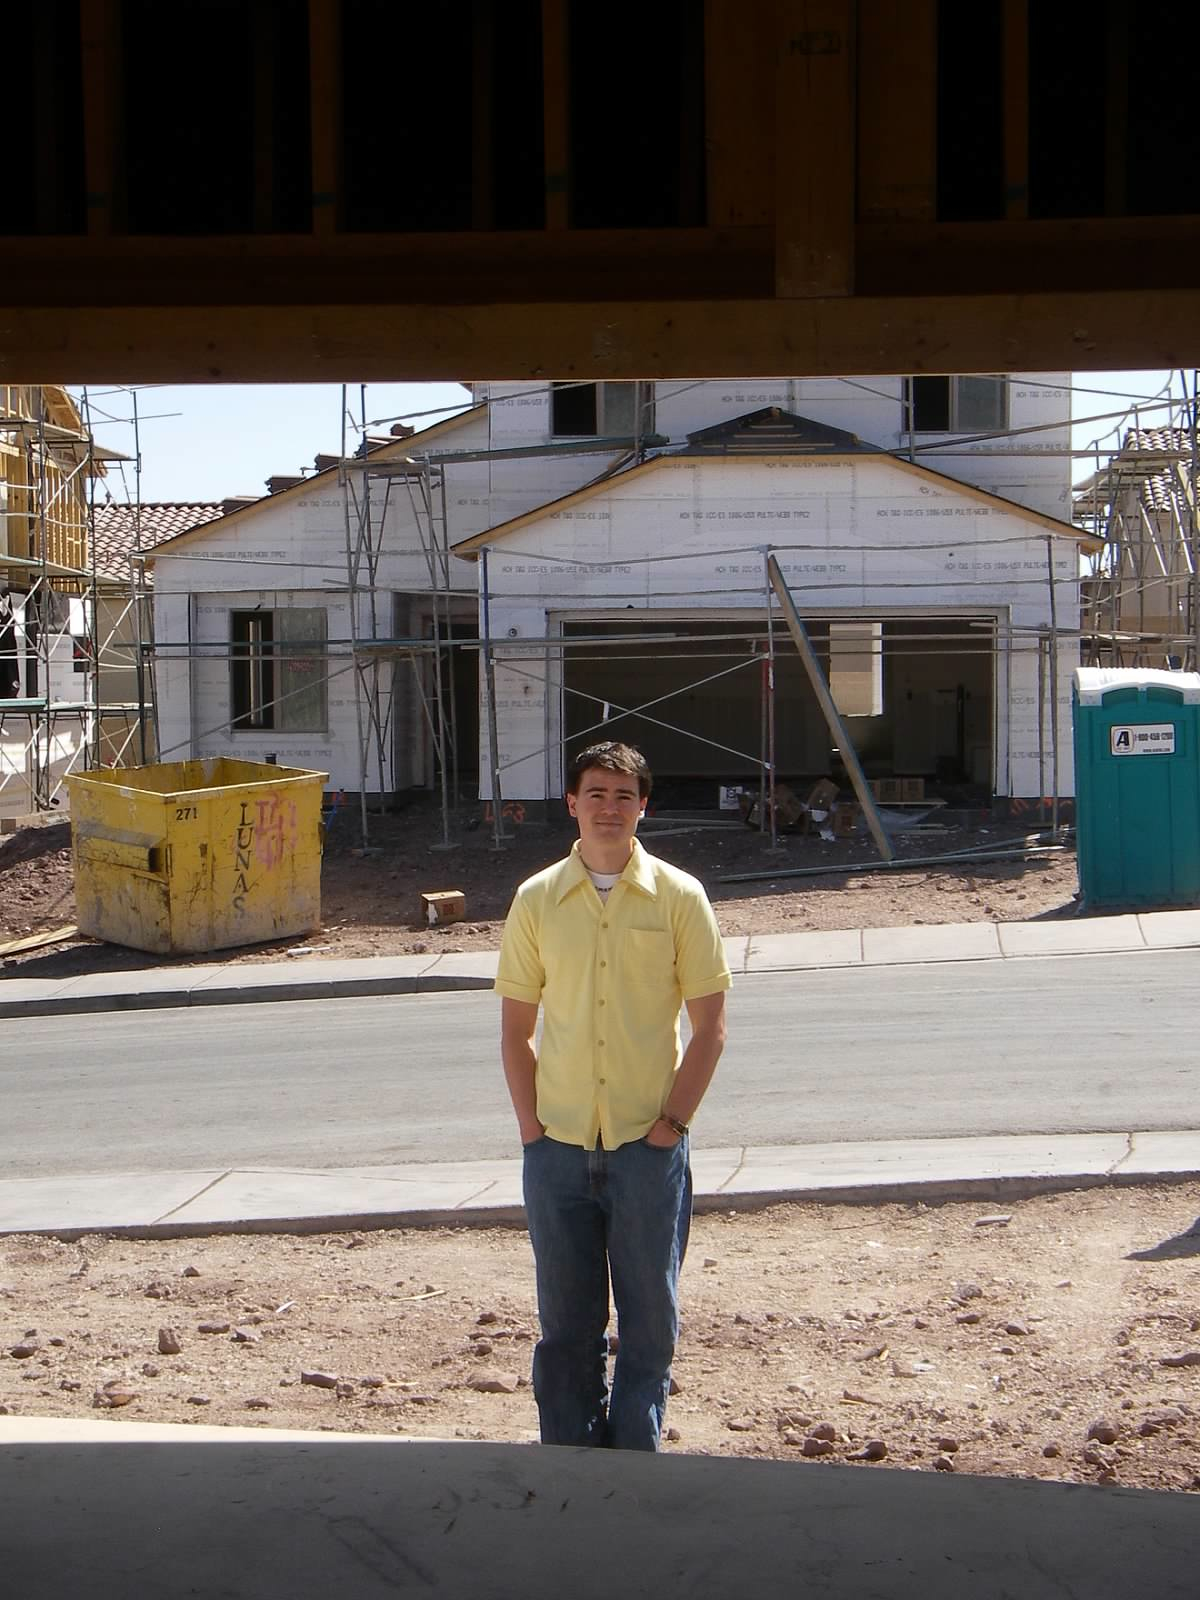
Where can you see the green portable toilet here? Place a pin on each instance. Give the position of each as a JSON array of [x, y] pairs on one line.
[[1137, 786]]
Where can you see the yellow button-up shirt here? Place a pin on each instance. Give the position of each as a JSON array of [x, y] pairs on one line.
[[611, 978]]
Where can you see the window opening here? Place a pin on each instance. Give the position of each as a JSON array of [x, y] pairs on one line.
[[956, 405], [599, 410], [277, 676]]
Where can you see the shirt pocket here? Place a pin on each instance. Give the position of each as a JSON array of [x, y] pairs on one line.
[[648, 957]]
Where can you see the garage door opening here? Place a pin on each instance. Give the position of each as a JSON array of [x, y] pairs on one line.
[[929, 708]]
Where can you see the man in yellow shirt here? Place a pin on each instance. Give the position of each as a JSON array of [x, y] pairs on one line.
[[610, 943]]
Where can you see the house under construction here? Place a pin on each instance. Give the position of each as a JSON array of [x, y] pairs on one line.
[[1140, 602], [67, 624], [458, 609]]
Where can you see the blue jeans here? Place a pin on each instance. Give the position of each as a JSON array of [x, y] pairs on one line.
[[591, 1213]]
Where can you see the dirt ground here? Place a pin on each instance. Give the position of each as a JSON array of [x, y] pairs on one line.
[[1062, 1343], [371, 902]]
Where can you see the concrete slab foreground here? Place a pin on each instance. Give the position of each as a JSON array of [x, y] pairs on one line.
[[276, 1516]]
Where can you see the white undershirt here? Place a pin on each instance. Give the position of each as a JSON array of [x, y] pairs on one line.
[[605, 882]]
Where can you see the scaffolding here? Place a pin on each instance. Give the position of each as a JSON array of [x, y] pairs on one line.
[[59, 614], [1140, 600]]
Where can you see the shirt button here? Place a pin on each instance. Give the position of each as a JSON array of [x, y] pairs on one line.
[[604, 963], [604, 924], [600, 1002], [600, 1041], [602, 1080]]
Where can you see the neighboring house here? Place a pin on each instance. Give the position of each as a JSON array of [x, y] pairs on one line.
[[924, 516], [47, 463], [121, 533]]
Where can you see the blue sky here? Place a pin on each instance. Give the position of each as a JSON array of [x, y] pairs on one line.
[[208, 441]]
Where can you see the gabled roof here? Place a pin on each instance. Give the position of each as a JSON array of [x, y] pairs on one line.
[[120, 529], [395, 451], [764, 434], [773, 431]]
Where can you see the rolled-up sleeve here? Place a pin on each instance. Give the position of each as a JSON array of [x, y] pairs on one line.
[[700, 964], [520, 975]]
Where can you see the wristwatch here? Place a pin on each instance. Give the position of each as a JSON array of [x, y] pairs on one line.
[[673, 1122]]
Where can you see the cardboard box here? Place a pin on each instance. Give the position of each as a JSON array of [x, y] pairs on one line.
[[443, 905], [912, 789], [729, 797], [822, 796], [845, 818]]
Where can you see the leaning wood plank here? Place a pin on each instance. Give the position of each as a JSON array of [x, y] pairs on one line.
[[35, 941], [832, 716]]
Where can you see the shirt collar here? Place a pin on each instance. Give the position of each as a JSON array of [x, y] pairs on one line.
[[638, 873]]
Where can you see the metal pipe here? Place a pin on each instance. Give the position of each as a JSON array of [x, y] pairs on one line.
[[1053, 679], [897, 864], [489, 696], [352, 597]]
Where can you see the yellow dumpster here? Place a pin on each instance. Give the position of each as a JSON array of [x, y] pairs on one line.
[[185, 856]]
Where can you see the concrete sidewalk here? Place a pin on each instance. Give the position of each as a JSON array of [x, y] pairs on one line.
[[310, 978], [168, 1205]]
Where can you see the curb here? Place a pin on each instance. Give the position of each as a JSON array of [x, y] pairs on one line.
[[318, 988], [236, 994], [929, 1191]]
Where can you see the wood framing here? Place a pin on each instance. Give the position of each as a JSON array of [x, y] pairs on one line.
[[556, 114], [739, 93], [102, 74], [1016, 108], [801, 231], [814, 153], [897, 111], [325, 76]]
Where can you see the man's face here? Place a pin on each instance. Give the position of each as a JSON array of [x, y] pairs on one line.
[[608, 808]]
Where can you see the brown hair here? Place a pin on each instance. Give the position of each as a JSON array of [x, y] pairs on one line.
[[611, 757]]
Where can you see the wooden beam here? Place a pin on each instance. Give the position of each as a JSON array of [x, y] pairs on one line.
[[1039, 257], [1016, 108], [439, 268], [325, 88], [47, 159], [1116, 110], [896, 259], [263, 45], [739, 94], [99, 35], [814, 149], [604, 339], [483, 209], [556, 113], [896, 53]]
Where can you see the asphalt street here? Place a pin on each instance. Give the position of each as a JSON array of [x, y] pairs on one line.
[[1082, 1044]]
